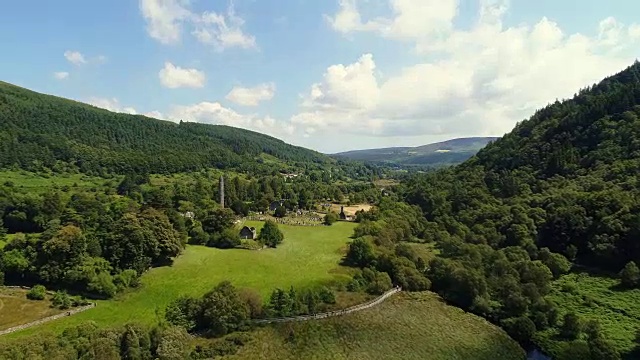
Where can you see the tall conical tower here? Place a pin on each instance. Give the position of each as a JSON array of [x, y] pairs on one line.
[[221, 190]]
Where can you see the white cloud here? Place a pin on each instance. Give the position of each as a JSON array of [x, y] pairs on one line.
[[75, 57], [111, 104], [222, 31], [164, 18], [167, 18], [173, 77], [61, 75], [479, 81], [411, 18], [251, 96], [215, 113], [154, 114]]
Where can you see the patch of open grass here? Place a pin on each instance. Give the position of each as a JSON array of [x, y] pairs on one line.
[[406, 326], [351, 209], [308, 256], [16, 309], [426, 251], [597, 297], [40, 182]]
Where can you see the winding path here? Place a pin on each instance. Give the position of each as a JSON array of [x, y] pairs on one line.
[[349, 310]]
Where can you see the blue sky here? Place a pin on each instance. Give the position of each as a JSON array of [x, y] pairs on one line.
[[332, 75]]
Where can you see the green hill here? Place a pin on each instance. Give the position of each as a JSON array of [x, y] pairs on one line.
[[38, 130], [448, 152], [406, 326], [565, 180]]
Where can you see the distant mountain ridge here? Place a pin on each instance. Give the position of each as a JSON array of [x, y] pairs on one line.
[[442, 153]]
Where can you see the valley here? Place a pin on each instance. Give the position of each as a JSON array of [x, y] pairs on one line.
[[440, 154], [530, 242]]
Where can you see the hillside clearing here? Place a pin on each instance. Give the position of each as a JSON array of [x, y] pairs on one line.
[[598, 298], [352, 209], [308, 256], [32, 182], [406, 326]]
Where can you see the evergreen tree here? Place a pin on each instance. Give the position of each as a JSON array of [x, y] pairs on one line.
[[270, 235], [630, 275]]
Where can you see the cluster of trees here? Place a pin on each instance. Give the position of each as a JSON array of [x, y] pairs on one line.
[[99, 260], [508, 285], [380, 248], [296, 302], [225, 309], [218, 312], [131, 342], [60, 299]]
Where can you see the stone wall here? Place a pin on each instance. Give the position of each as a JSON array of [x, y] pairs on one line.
[[47, 319]]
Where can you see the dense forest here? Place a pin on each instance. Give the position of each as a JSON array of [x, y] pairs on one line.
[[565, 179], [46, 132], [562, 187]]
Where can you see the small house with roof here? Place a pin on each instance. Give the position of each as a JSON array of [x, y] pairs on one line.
[[248, 233]]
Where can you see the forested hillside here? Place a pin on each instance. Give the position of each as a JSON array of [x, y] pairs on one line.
[[39, 131], [563, 182]]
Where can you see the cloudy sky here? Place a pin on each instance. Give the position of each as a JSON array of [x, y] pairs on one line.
[[331, 75]]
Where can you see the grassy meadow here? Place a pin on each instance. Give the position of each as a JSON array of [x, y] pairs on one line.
[[16, 309], [308, 256], [407, 326], [597, 297], [41, 182]]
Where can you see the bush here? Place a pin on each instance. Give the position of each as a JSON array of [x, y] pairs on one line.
[[327, 296], [280, 212], [521, 328], [61, 300], [37, 292], [330, 218], [571, 326], [630, 275], [270, 235]]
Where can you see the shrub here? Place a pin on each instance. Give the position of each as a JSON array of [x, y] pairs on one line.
[[61, 300], [330, 218], [37, 292], [630, 275]]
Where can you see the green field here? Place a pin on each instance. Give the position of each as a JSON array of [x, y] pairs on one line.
[[407, 326], [308, 255], [597, 297]]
